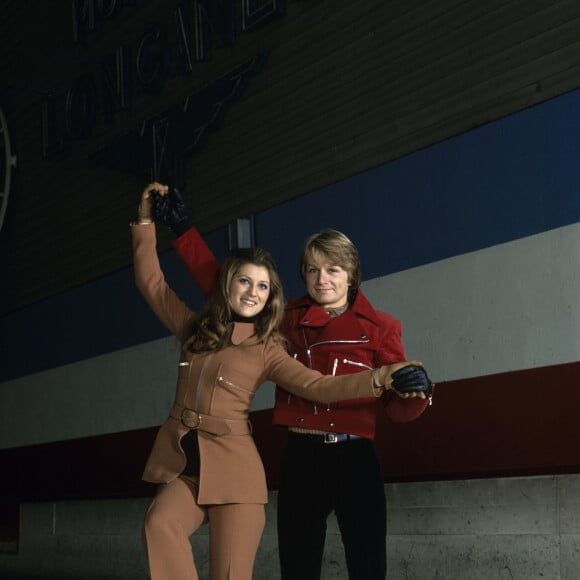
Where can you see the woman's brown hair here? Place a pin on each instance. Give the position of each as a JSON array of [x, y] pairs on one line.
[[209, 329]]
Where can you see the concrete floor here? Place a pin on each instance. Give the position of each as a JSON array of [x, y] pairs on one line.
[[487, 529]]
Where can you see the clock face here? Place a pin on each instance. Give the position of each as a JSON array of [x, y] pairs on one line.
[[7, 162]]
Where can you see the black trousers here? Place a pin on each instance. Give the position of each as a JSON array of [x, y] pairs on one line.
[[318, 478]]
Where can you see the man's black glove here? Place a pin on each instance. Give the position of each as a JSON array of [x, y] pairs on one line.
[[170, 210], [411, 379]]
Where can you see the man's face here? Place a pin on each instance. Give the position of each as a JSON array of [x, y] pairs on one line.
[[326, 283]]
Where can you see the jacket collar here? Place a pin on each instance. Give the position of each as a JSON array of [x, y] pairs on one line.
[[242, 331], [361, 307]]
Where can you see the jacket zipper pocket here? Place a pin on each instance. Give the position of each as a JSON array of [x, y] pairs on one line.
[[357, 364], [224, 382], [334, 367]]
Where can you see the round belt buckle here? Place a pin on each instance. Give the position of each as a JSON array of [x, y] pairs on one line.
[[193, 415]]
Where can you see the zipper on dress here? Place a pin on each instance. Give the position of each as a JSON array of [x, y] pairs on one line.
[[224, 381], [200, 381]]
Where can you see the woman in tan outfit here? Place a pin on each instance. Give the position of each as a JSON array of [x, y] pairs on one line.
[[204, 454]]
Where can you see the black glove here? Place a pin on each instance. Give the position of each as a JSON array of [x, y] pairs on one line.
[[411, 379], [170, 210]]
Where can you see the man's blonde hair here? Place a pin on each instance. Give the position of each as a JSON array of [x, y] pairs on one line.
[[337, 249]]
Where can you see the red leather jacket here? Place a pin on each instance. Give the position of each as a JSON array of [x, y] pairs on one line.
[[360, 338]]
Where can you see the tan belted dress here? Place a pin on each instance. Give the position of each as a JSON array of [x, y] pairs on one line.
[[215, 391]]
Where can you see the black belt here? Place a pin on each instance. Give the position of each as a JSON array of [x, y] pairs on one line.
[[326, 437]]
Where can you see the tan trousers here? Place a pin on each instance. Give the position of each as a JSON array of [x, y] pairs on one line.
[[235, 532]]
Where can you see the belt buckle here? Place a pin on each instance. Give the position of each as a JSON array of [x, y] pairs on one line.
[[195, 415], [330, 438]]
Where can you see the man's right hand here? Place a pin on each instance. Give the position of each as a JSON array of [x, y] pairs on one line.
[[169, 209]]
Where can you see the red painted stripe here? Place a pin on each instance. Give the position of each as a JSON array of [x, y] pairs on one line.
[[516, 423], [89, 467]]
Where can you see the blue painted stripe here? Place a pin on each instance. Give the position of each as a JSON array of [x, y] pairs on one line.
[[512, 178], [104, 316]]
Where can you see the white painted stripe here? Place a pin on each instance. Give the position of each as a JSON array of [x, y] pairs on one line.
[[124, 390], [509, 307]]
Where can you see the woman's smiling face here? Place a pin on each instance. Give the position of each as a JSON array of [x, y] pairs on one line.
[[249, 290]]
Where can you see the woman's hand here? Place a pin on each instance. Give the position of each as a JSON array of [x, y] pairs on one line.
[[145, 211], [383, 376]]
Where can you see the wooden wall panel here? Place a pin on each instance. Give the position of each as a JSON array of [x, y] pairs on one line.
[[347, 86]]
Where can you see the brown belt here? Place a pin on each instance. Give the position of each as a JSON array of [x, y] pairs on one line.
[[213, 425]]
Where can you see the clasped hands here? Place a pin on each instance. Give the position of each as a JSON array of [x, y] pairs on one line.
[[408, 379], [166, 205]]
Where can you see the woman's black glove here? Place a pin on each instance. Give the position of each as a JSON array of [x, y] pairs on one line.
[[170, 210]]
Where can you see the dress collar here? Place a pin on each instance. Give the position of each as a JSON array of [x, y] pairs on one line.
[[242, 331]]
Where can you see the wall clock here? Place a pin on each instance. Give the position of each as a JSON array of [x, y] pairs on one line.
[[7, 163]]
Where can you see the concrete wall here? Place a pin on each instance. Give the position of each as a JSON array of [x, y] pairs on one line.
[[481, 529], [473, 243]]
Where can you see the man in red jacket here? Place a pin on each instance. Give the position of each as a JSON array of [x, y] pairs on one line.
[[330, 461]]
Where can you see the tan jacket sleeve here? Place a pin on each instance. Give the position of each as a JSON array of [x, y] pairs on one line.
[[299, 380], [170, 310]]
